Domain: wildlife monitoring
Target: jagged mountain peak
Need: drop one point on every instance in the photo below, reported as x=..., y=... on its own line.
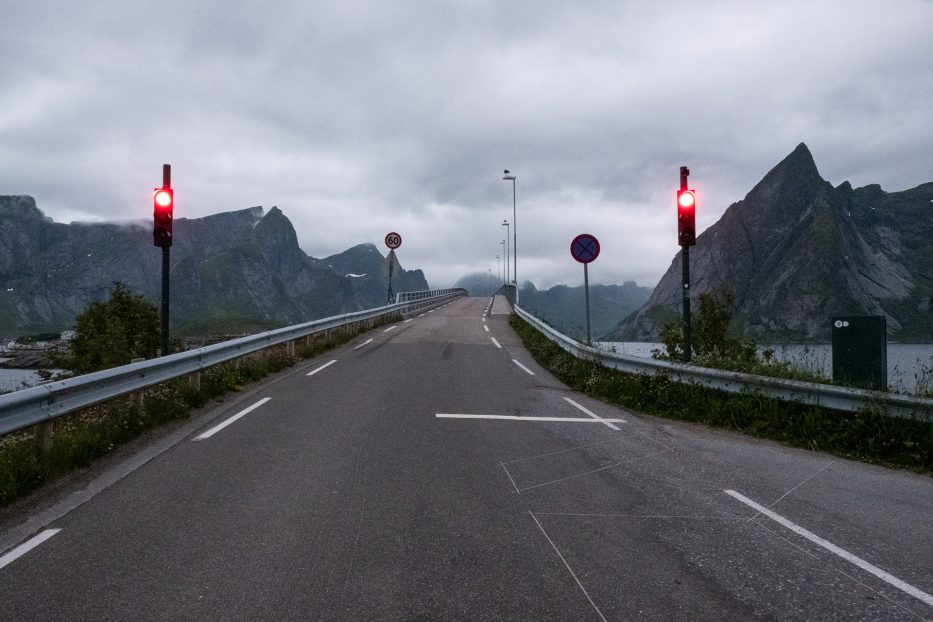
x=796, y=251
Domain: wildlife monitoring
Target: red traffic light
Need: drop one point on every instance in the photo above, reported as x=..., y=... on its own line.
x=162, y=198
x=686, y=217
x=686, y=199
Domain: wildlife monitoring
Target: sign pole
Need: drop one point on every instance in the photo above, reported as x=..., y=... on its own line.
x=393, y=240
x=586, y=290
x=585, y=248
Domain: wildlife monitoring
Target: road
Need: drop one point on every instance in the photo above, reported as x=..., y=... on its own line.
x=341, y=493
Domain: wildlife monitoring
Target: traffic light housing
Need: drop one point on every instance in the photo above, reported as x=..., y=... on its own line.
x=686, y=217
x=163, y=202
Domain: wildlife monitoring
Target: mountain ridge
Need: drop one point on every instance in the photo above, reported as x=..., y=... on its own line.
x=797, y=251
x=232, y=272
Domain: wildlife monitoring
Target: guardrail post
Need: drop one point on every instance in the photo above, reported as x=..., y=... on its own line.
x=44, y=432
x=194, y=380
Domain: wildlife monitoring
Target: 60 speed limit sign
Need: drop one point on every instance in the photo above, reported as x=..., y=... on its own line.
x=393, y=240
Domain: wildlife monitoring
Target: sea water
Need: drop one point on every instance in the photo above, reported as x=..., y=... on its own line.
x=910, y=365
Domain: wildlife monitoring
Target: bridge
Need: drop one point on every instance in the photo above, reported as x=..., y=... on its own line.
x=430, y=469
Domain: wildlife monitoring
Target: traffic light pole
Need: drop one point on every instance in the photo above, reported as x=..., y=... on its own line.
x=685, y=263
x=166, y=183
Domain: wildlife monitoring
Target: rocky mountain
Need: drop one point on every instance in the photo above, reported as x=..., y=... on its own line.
x=368, y=273
x=565, y=307
x=797, y=251
x=230, y=272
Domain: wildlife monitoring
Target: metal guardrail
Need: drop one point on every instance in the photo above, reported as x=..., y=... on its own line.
x=409, y=296
x=43, y=403
x=826, y=395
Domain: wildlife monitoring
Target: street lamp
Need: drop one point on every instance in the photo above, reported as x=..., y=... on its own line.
x=499, y=268
x=510, y=177
x=505, y=223
x=505, y=257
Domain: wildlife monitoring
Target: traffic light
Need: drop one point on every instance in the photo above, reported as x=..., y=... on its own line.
x=686, y=217
x=163, y=202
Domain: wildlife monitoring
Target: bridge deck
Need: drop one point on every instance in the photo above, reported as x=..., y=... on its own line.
x=344, y=496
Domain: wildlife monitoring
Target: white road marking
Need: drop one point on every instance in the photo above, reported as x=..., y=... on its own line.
x=519, y=418
x=220, y=426
x=367, y=342
x=322, y=367
x=498, y=345
x=408, y=320
x=527, y=371
x=514, y=485
x=431, y=311
x=390, y=328
x=27, y=546
x=590, y=413
x=422, y=315
x=566, y=565
x=484, y=318
x=832, y=548
x=486, y=327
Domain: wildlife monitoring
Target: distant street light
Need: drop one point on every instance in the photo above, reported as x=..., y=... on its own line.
x=510, y=177
x=499, y=268
x=504, y=257
x=505, y=223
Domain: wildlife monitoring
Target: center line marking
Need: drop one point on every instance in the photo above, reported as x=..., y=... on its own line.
x=390, y=328
x=27, y=546
x=322, y=367
x=486, y=327
x=590, y=413
x=531, y=373
x=498, y=345
x=220, y=426
x=368, y=341
x=832, y=548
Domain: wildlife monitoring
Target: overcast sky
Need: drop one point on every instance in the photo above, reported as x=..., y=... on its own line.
x=359, y=118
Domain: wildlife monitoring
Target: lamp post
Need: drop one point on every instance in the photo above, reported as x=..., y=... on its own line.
x=505, y=223
x=499, y=268
x=504, y=258
x=510, y=177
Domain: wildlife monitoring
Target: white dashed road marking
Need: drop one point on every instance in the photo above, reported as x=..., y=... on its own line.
x=27, y=546
x=322, y=367
x=220, y=426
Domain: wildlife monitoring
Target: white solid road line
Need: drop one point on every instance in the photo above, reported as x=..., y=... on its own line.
x=498, y=345
x=27, y=546
x=324, y=366
x=390, y=328
x=486, y=327
x=220, y=426
x=529, y=372
x=832, y=548
x=368, y=341
x=590, y=413
x=518, y=418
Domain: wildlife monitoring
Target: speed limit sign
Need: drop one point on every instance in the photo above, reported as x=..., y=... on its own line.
x=393, y=240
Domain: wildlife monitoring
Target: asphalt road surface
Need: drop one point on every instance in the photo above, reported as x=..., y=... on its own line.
x=352, y=487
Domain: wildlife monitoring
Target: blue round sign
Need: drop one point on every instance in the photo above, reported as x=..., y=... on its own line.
x=584, y=248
